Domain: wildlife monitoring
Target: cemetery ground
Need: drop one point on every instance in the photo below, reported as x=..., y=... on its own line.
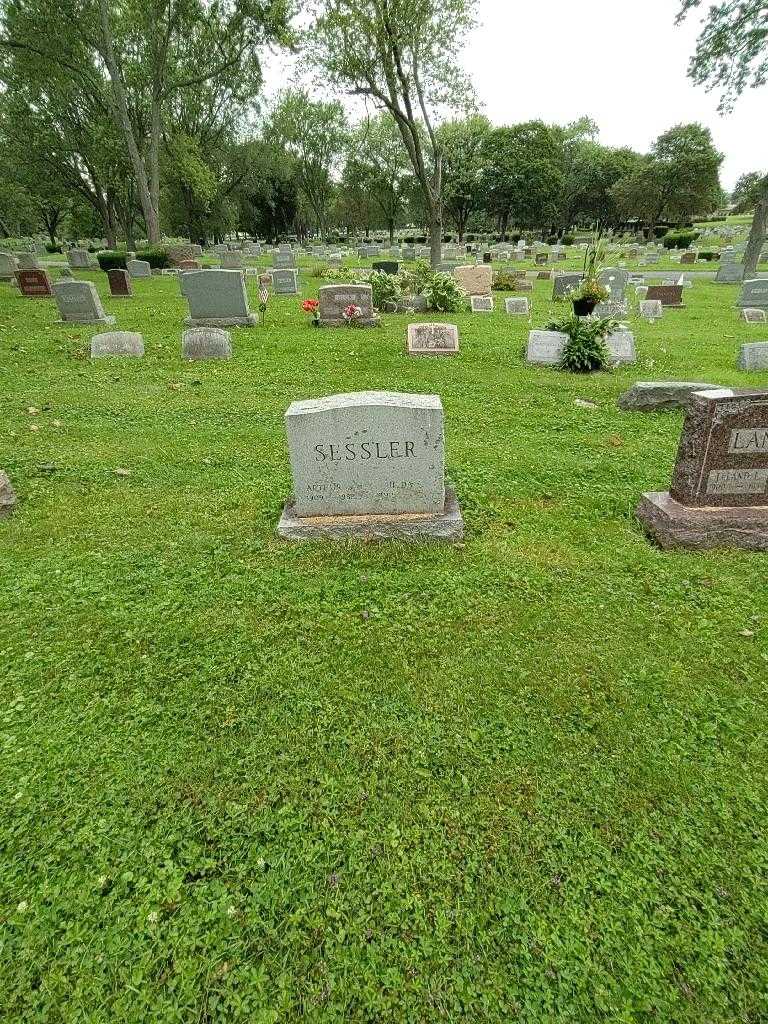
x=522, y=778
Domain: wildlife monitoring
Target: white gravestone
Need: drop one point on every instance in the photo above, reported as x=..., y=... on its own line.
x=433, y=340
x=206, y=343
x=545, y=347
x=481, y=303
x=369, y=464
x=755, y=316
x=117, y=343
x=651, y=309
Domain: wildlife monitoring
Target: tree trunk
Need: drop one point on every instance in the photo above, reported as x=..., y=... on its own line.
x=391, y=226
x=154, y=166
x=758, y=232
x=503, y=222
x=123, y=121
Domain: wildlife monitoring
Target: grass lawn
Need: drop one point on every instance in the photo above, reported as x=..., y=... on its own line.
x=522, y=779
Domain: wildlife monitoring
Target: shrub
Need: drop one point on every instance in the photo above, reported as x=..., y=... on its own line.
x=156, y=256
x=110, y=259
x=443, y=294
x=52, y=248
x=682, y=239
x=415, y=279
x=504, y=281
x=709, y=257
x=552, y=240
x=660, y=232
x=568, y=239
x=384, y=288
x=585, y=350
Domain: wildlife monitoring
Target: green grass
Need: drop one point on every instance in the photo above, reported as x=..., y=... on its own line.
x=522, y=779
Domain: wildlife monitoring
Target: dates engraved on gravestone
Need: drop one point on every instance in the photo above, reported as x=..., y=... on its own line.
x=481, y=303
x=336, y=298
x=367, y=453
x=34, y=284
x=432, y=339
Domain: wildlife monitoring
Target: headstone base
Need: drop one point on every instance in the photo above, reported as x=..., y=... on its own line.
x=447, y=526
x=673, y=525
x=77, y=320
x=374, y=321
x=229, y=321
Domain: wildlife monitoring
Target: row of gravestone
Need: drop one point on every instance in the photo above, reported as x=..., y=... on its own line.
x=372, y=465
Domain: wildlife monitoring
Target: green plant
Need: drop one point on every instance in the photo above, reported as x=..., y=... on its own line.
x=681, y=239
x=443, y=295
x=384, y=287
x=568, y=239
x=585, y=350
x=505, y=280
x=156, y=256
x=590, y=288
x=413, y=280
x=52, y=248
x=111, y=259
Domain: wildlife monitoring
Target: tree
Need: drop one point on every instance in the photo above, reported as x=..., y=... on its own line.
x=315, y=133
x=146, y=52
x=746, y=192
x=464, y=150
x=402, y=55
x=378, y=170
x=523, y=176
x=678, y=180
x=731, y=56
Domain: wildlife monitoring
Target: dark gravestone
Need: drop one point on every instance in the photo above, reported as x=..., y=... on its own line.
x=487, y=257
x=688, y=257
x=386, y=266
x=119, y=284
x=563, y=284
x=34, y=284
x=719, y=492
x=754, y=294
x=669, y=295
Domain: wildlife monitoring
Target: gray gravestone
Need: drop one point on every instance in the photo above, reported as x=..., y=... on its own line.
x=7, y=495
x=117, y=343
x=545, y=347
x=621, y=347
x=729, y=271
x=206, y=343
x=232, y=260
x=517, y=307
x=28, y=261
x=563, y=284
x=78, y=259
x=611, y=310
x=79, y=302
x=615, y=280
x=139, y=268
x=369, y=464
x=481, y=303
x=754, y=294
x=651, y=309
x=753, y=356
x=217, y=298
x=660, y=395
x=285, y=282
x=336, y=298
x=283, y=259
x=432, y=340
x=8, y=266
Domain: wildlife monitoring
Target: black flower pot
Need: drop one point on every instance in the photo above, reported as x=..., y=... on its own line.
x=583, y=307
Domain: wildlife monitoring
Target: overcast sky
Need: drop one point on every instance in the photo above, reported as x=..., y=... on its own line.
x=621, y=63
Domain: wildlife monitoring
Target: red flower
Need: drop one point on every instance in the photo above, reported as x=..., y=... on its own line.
x=310, y=305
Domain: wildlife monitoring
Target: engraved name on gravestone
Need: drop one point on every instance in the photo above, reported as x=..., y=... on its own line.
x=120, y=286
x=206, y=343
x=433, y=339
x=474, y=280
x=34, y=284
x=79, y=302
x=139, y=268
x=335, y=298
x=367, y=453
x=669, y=295
x=217, y=298
x=117, y=343
x=517, y=307
x=285, y=282
x=723, y=454
x=753, y=356
x=481, y=303
x=754, y=294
